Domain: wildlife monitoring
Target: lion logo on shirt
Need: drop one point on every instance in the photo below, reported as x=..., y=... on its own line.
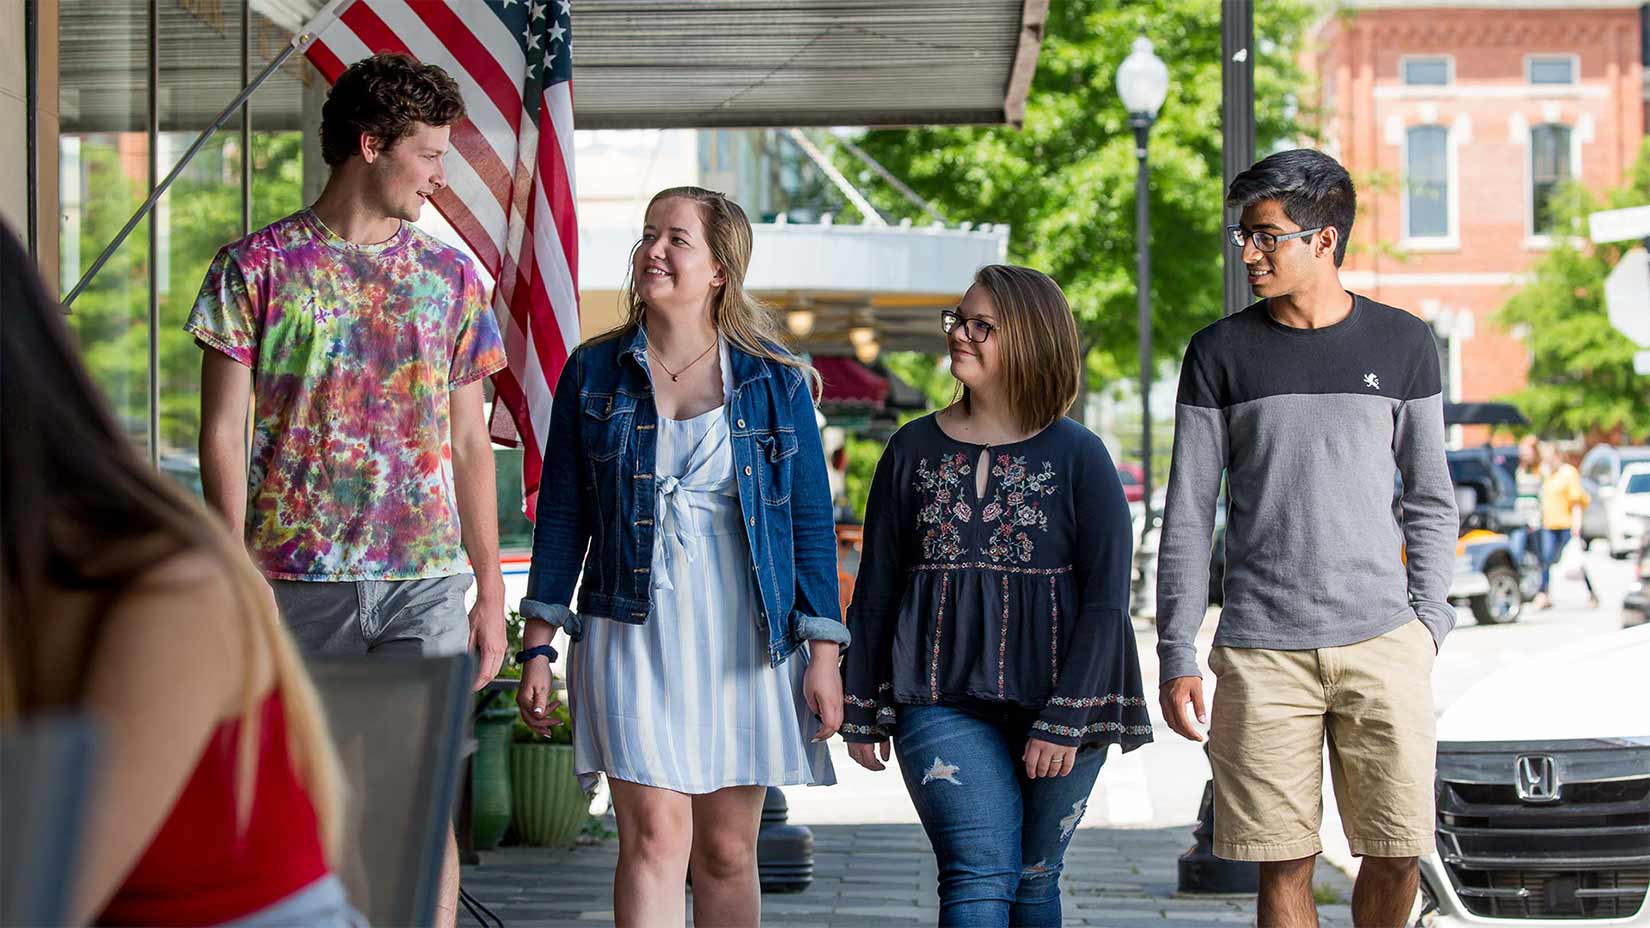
x=1372, y=381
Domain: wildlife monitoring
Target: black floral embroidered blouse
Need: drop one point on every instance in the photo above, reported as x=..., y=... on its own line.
x=1016, y=597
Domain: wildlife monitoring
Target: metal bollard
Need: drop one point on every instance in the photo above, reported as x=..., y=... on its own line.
x=784, y=852
x=1201, y=871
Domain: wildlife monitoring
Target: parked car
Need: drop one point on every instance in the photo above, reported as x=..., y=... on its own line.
x=1543, y=793
x=1134, y=481
x=1635, y=605
x=1601, y=475
x=1492, y=577
x=1630, y=510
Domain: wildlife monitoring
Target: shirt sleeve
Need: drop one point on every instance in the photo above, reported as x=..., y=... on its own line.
x=1429, y=520
x=225, y=316
x=867, y=668
x=1199, y=459
x=1097, y=693
x=565, y=518
x=479, y=349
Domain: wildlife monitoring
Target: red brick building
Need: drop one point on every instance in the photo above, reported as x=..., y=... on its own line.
x=1456, y=119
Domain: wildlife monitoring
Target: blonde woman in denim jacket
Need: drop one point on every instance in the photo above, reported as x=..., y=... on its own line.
x=683, y=473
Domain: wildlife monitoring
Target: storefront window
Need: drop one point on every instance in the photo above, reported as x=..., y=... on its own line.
x=106, y=85
x=103, y=176
x=200, y=54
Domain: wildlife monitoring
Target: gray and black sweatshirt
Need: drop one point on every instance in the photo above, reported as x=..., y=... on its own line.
x=1310, y=427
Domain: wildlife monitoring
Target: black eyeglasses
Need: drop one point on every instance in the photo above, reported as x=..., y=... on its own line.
x=975, y=330
x=1266, y=242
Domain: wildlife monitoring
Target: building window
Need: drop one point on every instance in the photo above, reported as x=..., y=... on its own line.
x=1426, y=72
x=1549, y=167
x=1550, y=69
x=1446, y=367
x=1427, y=182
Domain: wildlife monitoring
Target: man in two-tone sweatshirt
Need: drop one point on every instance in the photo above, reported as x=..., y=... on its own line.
x=1316, y=406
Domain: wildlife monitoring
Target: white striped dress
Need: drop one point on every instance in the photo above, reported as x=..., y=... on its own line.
x=686, y=700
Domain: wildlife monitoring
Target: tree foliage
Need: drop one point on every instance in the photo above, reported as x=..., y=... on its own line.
x=199, y=214
x=1581, y=379
x=1065, y=181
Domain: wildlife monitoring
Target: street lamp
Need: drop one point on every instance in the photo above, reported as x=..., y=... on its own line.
x=1143, y=82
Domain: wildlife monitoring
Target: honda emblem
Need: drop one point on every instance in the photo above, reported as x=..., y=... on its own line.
x=1537, y=778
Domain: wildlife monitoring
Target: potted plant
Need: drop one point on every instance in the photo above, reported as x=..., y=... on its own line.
x=490, y=799
x=549, y=807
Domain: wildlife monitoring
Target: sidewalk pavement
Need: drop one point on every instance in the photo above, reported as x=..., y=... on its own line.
x=872, y=860
x=885, y=874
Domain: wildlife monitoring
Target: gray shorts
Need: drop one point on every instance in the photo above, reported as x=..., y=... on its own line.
x=417, y=618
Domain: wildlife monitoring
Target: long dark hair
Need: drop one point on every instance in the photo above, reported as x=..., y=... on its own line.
x=81, y=511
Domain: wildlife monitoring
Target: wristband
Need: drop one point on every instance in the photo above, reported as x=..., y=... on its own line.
x=523, y=657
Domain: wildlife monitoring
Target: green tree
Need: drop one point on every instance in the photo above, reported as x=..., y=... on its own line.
x=202, y=209
x=1065, y=181
x=1581, y=378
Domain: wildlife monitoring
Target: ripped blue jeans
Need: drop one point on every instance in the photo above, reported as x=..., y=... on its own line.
x=1000, y=838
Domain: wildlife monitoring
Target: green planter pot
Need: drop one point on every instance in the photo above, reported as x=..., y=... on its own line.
x=490, y=777
x=550, y=809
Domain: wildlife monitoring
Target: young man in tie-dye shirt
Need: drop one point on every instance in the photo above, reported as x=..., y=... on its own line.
x=362, y=344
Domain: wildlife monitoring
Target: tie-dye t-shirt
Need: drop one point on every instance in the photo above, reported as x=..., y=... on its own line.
x=354, y=351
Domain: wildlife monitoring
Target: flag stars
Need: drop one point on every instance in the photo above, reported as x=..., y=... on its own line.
x=531, y=37
x=536, y=10
x=566, y=7
x=556, y=33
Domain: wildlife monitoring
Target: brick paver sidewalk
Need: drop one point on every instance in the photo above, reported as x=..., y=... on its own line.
x=884, y=875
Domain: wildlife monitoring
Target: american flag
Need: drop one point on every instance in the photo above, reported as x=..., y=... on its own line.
x=509, y=172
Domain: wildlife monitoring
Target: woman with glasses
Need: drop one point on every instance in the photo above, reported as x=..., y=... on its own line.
x=992, y=646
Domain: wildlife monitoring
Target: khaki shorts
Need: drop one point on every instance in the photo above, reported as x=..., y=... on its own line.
x=1273, y=711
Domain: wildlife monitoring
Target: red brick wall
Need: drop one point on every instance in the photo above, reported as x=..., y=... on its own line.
x=1365, y=110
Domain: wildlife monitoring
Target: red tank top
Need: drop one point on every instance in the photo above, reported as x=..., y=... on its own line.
x=202, y=869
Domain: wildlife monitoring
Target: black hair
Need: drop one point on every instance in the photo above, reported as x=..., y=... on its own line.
x=1312, y=187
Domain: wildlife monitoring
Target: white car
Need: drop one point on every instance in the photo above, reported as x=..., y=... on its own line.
x=1629, y=510
x=1543, y=793
x=1602, y=472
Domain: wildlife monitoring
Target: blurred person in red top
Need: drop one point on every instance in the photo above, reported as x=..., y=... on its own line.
x=216, y=799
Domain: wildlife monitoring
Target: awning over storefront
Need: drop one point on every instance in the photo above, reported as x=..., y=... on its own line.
x=636, y=63
x=850, y=383
x=836, y=285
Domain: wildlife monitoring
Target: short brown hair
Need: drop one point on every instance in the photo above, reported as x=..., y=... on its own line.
x=1039, y=343
x=383, y=96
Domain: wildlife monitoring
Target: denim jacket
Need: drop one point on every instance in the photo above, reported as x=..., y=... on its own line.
x=597, y=501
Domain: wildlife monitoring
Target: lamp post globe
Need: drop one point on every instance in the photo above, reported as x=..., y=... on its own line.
x=1143, y=80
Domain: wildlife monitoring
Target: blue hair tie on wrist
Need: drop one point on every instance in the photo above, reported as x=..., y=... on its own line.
x=523, y=657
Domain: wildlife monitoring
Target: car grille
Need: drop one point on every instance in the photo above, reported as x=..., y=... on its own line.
x=1585, y=854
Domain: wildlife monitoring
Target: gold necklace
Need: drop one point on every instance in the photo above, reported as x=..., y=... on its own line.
x=677, y=375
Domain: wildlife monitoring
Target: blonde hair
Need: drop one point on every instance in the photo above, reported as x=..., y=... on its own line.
x=1037, y=343
x=737, y=315
x=309, y=737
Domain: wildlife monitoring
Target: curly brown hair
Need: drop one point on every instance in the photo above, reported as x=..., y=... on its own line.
x=383, y=96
